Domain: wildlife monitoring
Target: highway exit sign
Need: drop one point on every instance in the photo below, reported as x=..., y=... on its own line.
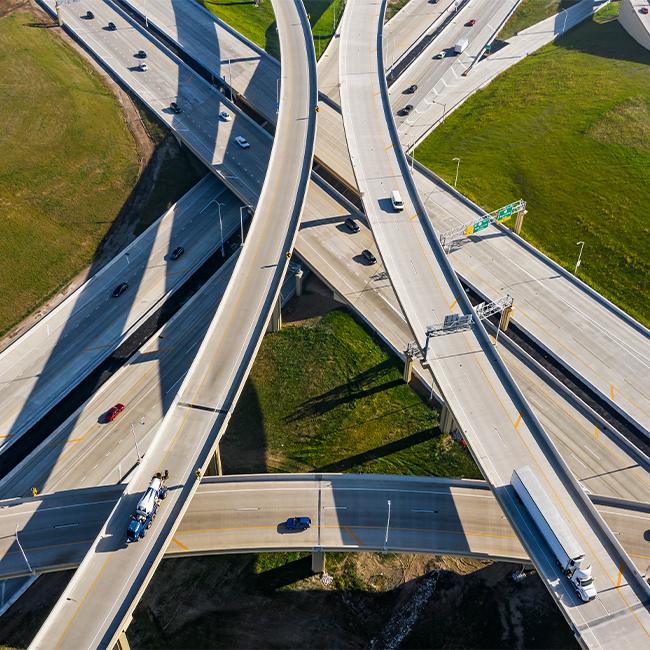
x=479, y=225
x=504, y=213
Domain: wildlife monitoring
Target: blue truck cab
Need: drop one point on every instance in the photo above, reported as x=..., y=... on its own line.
x=148, y=505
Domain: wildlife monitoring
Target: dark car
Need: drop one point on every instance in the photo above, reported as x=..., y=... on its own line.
x=369, y=256
x=471, y=23
x=411, y=89
x=644, y=10
x=114, y=412
x=176, y=108
x=177, y=252
x=120, y=289
x=90, y=15
x=112, y=26
x=352, y=225
x=407, y=109
x=300, y=523
x=142, y=54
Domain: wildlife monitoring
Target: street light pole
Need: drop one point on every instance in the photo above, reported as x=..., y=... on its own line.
x=277, y=96
x=413, y=156
x=566, y=15
x=23, y=552
x=387, y=525
x=582, y=245
x=230, y=75
x=457, y=166
x=137, y=451
x=223, y=252
x=241, y=221
x=146, y=20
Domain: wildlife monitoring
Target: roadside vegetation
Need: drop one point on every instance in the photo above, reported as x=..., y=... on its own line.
x=325, y=396
x=530, y=12
x=257, y=23
x=568, y=130
x=68, y=161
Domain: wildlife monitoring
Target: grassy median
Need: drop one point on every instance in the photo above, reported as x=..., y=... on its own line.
x=568, y=130
x=326, y=396
x=258, y=23
x=68, y=164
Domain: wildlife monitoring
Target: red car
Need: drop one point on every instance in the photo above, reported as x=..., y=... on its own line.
x=114, y=412
x=644, y=10
x=471, y=23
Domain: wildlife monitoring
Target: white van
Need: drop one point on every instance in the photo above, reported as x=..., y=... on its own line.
x=396, y=200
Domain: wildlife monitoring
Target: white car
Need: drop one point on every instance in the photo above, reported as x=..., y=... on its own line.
x=242, y=142
x=143, y=66
x=440, y=55
x=225, y=116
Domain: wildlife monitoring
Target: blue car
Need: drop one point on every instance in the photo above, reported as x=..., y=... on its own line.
x=299, y=523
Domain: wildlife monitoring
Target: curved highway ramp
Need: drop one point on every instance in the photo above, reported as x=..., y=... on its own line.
x=95, y=606
x=497, y=423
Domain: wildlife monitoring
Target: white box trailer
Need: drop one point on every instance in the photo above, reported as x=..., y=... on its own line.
x=461, y=45
x=568, y=553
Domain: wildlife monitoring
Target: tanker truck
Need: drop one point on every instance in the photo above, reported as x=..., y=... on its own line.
x=147, y=507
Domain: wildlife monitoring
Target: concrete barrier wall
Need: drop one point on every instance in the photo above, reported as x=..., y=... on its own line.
x=636, y=24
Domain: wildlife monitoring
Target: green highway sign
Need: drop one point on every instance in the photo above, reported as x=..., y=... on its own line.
x=504, y=213
x=479, y=225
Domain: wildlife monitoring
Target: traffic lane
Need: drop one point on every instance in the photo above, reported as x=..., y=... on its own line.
x=88, y=451
x=632, y=527
x=53, y=530
x=87, y=327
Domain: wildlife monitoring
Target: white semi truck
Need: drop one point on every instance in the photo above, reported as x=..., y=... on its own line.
x=568, y=553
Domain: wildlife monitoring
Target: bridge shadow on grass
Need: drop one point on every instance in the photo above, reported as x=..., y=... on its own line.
x=363, y=385
x=282, y=576
x=380, y=452
x=606, y=40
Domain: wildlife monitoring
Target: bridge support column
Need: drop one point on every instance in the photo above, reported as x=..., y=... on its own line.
x=317, y=560
x=214, y=466
x=299, y=283
x=447, y=422
x=505, y=319
x=58, y=16
x=520, y=221
x=275, y=324
x=122, y=642
x=408, y=367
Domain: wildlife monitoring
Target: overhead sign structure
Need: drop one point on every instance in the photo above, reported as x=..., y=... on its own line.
x=479, y=225
x=505, y=213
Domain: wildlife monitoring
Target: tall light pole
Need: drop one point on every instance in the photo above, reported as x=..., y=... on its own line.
x=230, y=75
x=582, y=245
x=146, y=20
x=457, y=166
x=387, y=525
x=23, y=552
x=223, y=251
x=241, y=221
x=137, y=451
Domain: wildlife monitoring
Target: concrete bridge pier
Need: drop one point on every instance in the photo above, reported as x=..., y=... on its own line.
x=408, y=366
x=122, y=642
x=299, y=283
x=447, y=421
x=520, y=221
x=317, y=560
x=214, y=466
x=505, y=319
x=275, y=324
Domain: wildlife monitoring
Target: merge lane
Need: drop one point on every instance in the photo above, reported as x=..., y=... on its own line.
x=496, y=421
x=114, y=572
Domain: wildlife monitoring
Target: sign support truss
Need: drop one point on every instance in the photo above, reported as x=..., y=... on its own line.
x=472, y=227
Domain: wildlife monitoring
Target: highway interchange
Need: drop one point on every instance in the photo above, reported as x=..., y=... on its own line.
x=324, y=248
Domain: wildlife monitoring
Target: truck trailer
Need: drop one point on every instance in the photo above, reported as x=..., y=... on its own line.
x=147, y=507
x=568, y=553
x=461, y=45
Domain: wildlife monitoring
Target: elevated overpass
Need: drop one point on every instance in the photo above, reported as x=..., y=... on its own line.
x=349, y=512
x=112, y=571
x=493, y=415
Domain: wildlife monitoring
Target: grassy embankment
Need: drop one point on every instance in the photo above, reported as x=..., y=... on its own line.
x=568, y=130
x=326, y=396
x=68, y=160
x=258, y=23
x=530, y=12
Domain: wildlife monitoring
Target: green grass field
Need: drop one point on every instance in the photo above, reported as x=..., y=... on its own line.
x=326, y=396
x=258, y=23
x=530, y=12
x=68, y=164
x=568, y=130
